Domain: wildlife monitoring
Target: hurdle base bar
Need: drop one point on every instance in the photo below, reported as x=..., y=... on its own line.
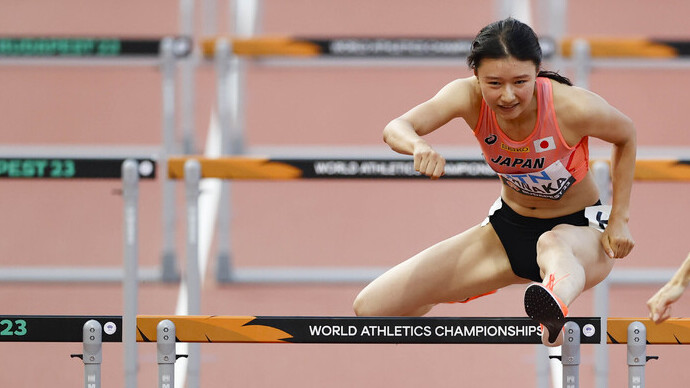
x=76, y=275
x=640, y=275
x=313, y=274
x=269, y=275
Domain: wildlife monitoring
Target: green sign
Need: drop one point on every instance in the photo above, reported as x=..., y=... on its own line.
x=12, y=327
x=68, y=168
x=88, y=47
x=34, y=328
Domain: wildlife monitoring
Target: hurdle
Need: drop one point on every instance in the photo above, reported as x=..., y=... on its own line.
x=285, y=168
x=130, y=171
x=165, y=331
x=301, y=52
x=587, y=53
x=89, y=50
x=252, y=168
x=354, y=50
x=290, y=168
x=230, y=54
x=653, y=165
x=305, y=51
x=162, y=53
x=39, y=167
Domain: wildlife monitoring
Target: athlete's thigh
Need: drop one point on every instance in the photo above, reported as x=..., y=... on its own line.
x=465, y=265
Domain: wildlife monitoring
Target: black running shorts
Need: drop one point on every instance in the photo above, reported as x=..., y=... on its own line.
x=519, y=235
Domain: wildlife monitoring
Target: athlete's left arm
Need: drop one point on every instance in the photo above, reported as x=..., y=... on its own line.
x=597, y=118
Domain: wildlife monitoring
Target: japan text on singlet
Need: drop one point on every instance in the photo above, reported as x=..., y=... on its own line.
x=541, y=165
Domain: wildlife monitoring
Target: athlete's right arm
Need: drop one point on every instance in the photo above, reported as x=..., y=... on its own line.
x=404, y=134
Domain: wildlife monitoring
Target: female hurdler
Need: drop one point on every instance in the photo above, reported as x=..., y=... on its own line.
x=547, y=226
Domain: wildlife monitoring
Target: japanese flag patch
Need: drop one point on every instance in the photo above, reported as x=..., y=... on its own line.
x=545, y=144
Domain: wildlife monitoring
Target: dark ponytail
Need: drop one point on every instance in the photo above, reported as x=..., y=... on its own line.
x=555, y=76
x=509, y=38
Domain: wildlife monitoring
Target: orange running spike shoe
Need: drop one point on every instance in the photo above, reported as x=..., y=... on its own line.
x=542, y=305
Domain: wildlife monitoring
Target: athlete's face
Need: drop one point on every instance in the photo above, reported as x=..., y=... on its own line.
x=507, y=85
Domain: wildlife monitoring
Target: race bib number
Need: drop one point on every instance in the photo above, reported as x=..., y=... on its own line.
x=550, y=183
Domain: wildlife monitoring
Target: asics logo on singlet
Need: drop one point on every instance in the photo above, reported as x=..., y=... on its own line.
x=490, y=139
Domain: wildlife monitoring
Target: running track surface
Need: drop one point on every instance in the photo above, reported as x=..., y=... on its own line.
x=302, y=223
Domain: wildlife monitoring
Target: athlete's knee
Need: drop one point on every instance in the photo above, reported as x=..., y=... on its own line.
x=554, y=252
x=552, y=239
x=359, y=306
x=364, y=306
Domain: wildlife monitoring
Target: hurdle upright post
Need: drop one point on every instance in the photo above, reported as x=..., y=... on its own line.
x=637, y=354
x=187, y=79
x=232, y=142
x=130, y=283
x=192, y=175
x=570, y=356
x=165, y=340
x=602, y=177
x=582, y=62
x=93, y=353
x=168, y=91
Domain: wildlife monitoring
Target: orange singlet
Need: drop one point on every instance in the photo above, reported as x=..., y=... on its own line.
x=543, y=164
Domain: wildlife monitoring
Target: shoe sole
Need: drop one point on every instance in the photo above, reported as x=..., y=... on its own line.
x=542, y=306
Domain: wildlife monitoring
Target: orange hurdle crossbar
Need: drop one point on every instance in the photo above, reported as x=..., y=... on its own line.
x=629, y=47
x=674, y=331
x=659, y=169
x=310, y=168
x=245, y=167
x=430, y=47
x=358, y=47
